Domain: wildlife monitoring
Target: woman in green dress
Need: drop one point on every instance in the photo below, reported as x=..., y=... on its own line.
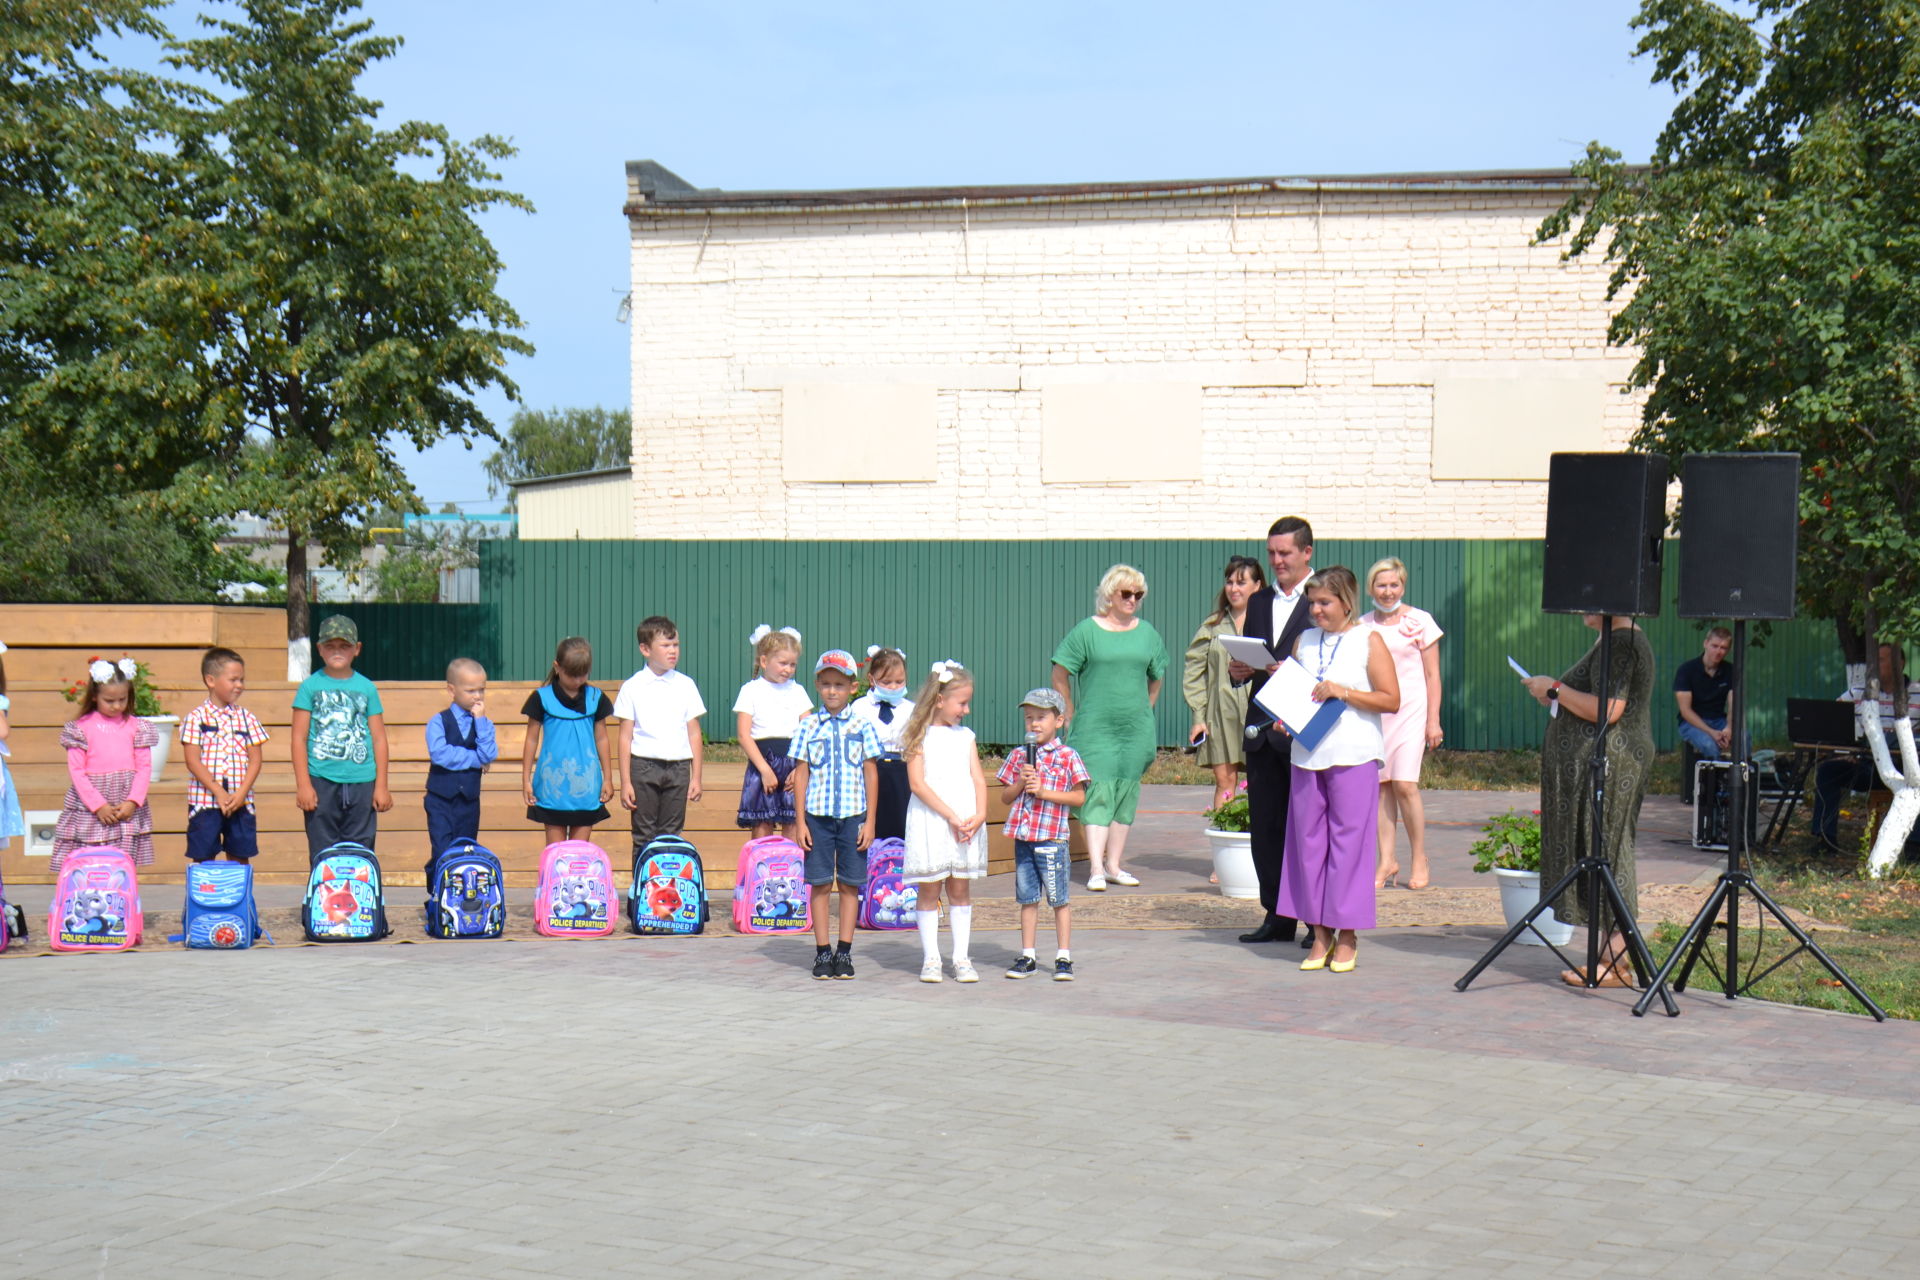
x=1566, y=827
x=1119, y=661
x=1219, y=709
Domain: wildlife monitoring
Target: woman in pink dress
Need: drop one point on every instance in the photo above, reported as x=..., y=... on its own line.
x=1413, y=638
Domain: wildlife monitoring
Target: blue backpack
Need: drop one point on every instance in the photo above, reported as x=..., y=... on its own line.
x=467, y=895
x=344, y=902
x=669, y=888
x=566, y=773
x=220, y=913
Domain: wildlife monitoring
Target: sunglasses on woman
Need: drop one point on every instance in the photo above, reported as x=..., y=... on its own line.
x=1131, y=595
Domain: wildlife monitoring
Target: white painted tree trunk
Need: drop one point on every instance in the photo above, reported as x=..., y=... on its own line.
x=1903, y=781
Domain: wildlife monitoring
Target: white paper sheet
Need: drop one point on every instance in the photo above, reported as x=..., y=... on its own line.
x=1248, y=649
x=1288, y=697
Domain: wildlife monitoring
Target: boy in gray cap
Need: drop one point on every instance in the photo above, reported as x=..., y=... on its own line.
x=1042, y=782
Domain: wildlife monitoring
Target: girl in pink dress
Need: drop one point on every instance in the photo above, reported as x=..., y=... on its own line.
x=109, y=757
x=1413, y=639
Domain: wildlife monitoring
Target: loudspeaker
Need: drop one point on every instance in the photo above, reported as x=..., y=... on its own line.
x=1739, y=535
x=1606, y=529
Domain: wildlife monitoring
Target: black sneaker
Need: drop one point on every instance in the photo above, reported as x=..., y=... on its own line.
x=823, y=966
x=1024, y=967
x=1063, y=971
x=843, y=964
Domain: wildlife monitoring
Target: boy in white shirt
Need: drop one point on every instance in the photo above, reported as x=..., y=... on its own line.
x=659, y=710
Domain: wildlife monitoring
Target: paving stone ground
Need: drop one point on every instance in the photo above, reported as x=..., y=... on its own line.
x=1190, y=1107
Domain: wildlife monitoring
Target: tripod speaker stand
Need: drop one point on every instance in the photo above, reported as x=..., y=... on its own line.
x=1606, y=521
x=1737, y=558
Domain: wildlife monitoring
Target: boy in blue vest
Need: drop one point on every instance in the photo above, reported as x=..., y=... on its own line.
x=460, y=747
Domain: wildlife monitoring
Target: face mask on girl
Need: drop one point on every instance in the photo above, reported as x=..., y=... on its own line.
x=888, y=695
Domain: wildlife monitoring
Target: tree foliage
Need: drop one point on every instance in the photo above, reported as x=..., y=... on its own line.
x=275, y=293
x=558, y=442
x=1768, y=258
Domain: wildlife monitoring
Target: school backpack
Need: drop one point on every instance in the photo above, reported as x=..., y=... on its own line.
x=887, y=901
x=566, y=773
x=220, y=914
x=96, y=902
x=13, y=921
x=344, y=902
x=669, y=888
x=770, y=887
x=467, y=895
x=575, y=897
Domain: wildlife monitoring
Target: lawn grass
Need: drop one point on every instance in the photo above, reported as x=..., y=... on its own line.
x=1880, y=950
x=1515, y=770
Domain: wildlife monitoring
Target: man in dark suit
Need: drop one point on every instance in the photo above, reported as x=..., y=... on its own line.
x=1276, y=615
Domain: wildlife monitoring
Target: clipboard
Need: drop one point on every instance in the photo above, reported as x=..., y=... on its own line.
x=1288, y=698
x=1251, y=650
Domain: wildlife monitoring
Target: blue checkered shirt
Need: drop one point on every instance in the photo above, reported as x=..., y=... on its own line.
x=836, y=749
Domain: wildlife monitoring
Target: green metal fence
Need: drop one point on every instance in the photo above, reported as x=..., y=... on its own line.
x=1000, y=607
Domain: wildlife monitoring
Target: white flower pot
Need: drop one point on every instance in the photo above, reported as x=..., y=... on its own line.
x=164, y=726
x=1233, y=863
x=1519, y=890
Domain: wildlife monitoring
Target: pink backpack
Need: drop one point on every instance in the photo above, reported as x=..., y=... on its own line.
x=575, y=897
x=887, y=901
x=770, y=887
x=96, y=902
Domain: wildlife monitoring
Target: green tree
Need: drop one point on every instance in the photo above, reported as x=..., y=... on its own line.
x=299, y=290
x=1767, y=257
x=558, y=442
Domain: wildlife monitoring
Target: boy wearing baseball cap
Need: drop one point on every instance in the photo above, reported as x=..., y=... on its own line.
x=834, y=774
x=1042, y=782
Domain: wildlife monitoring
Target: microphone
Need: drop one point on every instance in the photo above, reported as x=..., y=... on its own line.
x=1253, y=730
x=1033, y=747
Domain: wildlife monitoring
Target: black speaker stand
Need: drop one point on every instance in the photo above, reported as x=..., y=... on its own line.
x=1593, y=874
x=1737, y=879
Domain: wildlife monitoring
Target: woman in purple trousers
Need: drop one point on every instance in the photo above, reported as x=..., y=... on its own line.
x=1333, y=812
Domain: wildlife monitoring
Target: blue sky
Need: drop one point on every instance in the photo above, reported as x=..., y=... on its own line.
x=757, y=95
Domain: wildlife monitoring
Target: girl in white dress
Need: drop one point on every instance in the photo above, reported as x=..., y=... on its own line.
x=946, y=816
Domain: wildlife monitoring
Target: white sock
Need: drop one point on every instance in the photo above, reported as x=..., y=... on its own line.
x=1063, y=954
x=929, y=922
x=961, y=919
x=1027, y=952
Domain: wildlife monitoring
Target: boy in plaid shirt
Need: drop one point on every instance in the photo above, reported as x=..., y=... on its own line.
x=834, y=779
x=1042, y=781
x=221, y=740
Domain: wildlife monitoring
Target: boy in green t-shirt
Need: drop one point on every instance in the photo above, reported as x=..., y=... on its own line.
x=339, y=745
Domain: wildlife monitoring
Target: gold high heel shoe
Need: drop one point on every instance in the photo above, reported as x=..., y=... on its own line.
x=1343, y=966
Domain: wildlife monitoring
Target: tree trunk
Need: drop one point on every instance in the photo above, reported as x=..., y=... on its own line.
x=299, y=609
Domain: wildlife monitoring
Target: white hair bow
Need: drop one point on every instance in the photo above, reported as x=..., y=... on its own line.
x=762, y=631
x=944, y=669
x=102, y=671
x=875, y=648
x=3, y=646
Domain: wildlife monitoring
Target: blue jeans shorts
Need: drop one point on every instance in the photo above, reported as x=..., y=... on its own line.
x=209, y=829
x=836, y=854
x=1043, y=865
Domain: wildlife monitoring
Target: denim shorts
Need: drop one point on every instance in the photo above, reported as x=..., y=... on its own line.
x=1036, y=865
x=209, y=829
x=836, y=854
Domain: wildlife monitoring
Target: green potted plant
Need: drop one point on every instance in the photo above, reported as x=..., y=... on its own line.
x=1232, y=841
x=1509, y=846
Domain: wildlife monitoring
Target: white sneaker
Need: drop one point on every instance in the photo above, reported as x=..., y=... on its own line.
x=1097, y=883
x=1126, y=878
x=930, y=972
x=963, y=971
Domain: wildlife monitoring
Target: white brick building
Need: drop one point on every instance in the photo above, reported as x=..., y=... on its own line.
x=1390, y=355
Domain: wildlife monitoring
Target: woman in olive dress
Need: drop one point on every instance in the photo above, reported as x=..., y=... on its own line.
x=1118, y=661
x=1566, y=828
x=1218, y=708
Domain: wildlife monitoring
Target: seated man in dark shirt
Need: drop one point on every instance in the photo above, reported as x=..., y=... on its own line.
x=1703, y=690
